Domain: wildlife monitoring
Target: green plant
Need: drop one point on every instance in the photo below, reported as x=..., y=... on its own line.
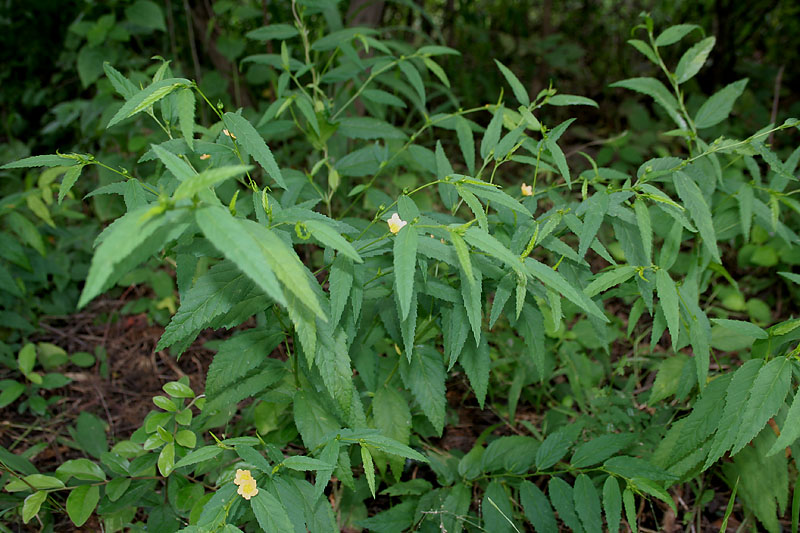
x=372, y=296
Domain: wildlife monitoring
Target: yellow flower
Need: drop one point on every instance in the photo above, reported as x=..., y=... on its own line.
x=396, y=223
x=242, y=476
x=246, y=483
x=247, y=489
x=527, y=190
x=205, y=156
x=229, y=134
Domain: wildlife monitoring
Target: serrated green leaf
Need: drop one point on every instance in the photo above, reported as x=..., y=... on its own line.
x=199, y=455
x=331, y=238
x=587, y=504
x=693, y=60
x=476, y=362
x=496, y=507
x=554, y=447
x=562, y=498
x=492, y=194
x=185, y=103
x=426, y=376
x=610, y=278
x=599, y=449
x=254, y=143
x=673, y=34
x=369, y=469
x=368, y=128
x=644, y=49
x=121, y=84
x=699, y=210
x=382, y=97
x=70, y=177
x=405, y=260
x=719, y=105
x=651, y=488
x=270, y=512
x=277, y=32
x=630, y=509
x=437, y=71
x=462, y=252
x=251, y=246
x=474, y=205
x=473, y=304
x=177, y=166
x=253, y=458
x=128, y=241
x=466, y=143
x=670, y=304
x=764, y=400
x=537, y=508
x=612, y=504
x=645, y=227
x=213, y=295
x=516, y=86
x=147, y=97
x=333, y=361
x=790, y=430
x=492, y=134
x=570, y=99
x=741, y=327
x=487, y=243
x=336, y=38
x=412, y=75
x=81, y=503
x=341, y=282
x=560, y=160
x=41, y=161
x=208, y=178
x=558, y=283
x=656, y=90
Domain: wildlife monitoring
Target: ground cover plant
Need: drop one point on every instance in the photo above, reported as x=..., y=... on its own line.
x=389, y=262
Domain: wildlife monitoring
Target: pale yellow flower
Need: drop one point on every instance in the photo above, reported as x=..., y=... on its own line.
x=527, y=190
x=242, y=476
x=396, y=223
x=247, y=489
x=205, y=156
x=229, y=134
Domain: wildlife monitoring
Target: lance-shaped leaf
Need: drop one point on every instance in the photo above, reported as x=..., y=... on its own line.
x=557, y=282
x=466, y=143
x=765, y=399
x=252, y=141
x=719, y=105
x=41, y=161
x=331, y=238
x=487, y=243
x=668, y=298
x=426, y=376
x=147, y=97
x=516, y=86
x=405, y=259
x=208, y=178
x=128, y=241
x=270, y=512
x=699, y=210
x=492, y=134
x=655, y=89
x=693, y=59
x=260, y=254
x=185, y=103
x=412, y=74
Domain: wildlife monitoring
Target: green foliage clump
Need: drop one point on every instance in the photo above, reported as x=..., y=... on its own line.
x=393, y=260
